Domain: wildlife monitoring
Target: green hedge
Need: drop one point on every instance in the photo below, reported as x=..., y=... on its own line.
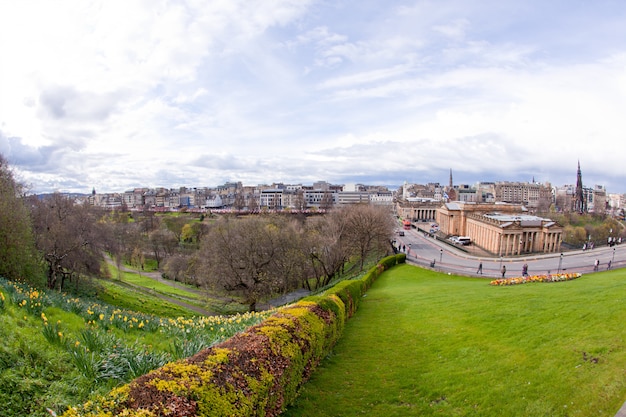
x=255, y=373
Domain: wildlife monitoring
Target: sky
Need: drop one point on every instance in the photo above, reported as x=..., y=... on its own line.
x=115, y=94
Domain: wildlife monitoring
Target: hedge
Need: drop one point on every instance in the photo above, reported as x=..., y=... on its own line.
x=255, y=373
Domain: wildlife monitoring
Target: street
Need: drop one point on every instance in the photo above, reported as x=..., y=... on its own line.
x=424, y=250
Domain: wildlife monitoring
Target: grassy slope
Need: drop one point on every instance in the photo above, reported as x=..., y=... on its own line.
x=425, y=344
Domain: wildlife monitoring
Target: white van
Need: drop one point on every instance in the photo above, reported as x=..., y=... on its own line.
x=464, y=240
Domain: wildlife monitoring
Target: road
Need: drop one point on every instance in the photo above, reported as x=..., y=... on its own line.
x=423, y=250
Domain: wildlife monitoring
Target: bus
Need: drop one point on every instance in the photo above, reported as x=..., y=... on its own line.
x=406, y=224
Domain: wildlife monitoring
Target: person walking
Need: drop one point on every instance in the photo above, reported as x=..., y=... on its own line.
x=596, y=265
x=503, y=270
x=525, y=270
x=480, y=269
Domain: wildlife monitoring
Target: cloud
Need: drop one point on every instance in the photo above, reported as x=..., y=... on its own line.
x=115, y=95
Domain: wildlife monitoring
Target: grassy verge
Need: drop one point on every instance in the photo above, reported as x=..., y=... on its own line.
x=129, y=298
x=427, y=344
x=57, y=351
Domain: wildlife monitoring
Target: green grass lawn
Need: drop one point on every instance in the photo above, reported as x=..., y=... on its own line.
x=428, y=344
x=140, y=280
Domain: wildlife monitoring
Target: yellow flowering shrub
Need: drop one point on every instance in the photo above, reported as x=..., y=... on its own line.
x=254, y=373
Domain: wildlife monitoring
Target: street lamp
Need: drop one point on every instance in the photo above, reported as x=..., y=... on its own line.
x=560, y=263
x=612, y=259
x=440, y=255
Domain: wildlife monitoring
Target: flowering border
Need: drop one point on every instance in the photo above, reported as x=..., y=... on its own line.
x=536, y=278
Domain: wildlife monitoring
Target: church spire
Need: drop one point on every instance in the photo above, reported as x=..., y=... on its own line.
x=580, y=205
x=450, y=194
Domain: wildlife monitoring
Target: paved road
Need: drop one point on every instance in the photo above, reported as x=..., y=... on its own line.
x=423, y=250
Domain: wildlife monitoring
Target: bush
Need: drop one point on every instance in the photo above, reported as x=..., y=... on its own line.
x=254, y=373
x=350, y=293
x=257, y=372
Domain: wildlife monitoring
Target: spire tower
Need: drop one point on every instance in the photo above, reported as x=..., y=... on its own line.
x=579, y=203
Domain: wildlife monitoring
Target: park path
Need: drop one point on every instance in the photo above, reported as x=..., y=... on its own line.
x=156, y=276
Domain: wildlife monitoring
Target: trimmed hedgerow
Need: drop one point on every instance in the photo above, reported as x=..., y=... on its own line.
x=254, y=373
x=350, y=292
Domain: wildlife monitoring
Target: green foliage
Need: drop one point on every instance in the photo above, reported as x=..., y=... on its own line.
x=255, y=373
x=401, y=258
x=579, y=228
x=350, y=293
x=388, y=261
x=18, y=257
x=67, y=349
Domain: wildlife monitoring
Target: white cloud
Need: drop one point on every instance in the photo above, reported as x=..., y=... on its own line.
x=112, y=93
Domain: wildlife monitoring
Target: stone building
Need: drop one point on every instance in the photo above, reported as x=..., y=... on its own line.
x=422, y=210
x=501, y=229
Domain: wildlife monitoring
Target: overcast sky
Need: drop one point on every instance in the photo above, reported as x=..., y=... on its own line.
x=119, y=94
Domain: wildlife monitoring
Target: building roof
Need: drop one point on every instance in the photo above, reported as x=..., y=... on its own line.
x=523, y=219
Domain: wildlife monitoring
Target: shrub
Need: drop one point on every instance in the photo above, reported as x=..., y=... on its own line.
x=350, y=292
x=257, y=372
x=254, y=373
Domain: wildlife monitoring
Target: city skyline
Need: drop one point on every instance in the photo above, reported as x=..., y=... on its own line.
x=115, y=95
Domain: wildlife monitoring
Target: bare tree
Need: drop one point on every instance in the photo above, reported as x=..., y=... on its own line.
x=252, y=257
x=68, y=239
x=161, y=243
x=369, y=230
x=253, y=203
x=180, y=267
x=326, y=247
x=328, y=201
x=300, y=202
x=240, y=201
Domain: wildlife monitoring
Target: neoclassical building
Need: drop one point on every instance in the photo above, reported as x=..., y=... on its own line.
x=502, y=229
x=416, y=209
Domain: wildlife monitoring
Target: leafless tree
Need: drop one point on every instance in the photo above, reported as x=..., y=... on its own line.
x=253, y=203
x=253, y=257
x=326, y=247
x=67, y=236
x=327, y=202
x=300, y=202
x=239, y=202
x=369, y=230
x=161, y=243
x=180, y=267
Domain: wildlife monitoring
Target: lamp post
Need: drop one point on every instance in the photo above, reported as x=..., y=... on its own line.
x=560, y=263
x=613, y=258
x=440, y=255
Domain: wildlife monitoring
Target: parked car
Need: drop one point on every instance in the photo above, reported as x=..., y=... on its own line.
x=464, y=240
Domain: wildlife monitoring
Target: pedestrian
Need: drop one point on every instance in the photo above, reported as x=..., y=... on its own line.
x=503, y=270
x=609, y=266
x=525, y=270
x=480, y=269
x=596, y=265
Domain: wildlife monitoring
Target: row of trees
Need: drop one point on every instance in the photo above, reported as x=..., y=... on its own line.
x=579, y=229
x=54, y=241
x=258, y=256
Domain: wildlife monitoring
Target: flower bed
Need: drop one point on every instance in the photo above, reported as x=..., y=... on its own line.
x=537, y=278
